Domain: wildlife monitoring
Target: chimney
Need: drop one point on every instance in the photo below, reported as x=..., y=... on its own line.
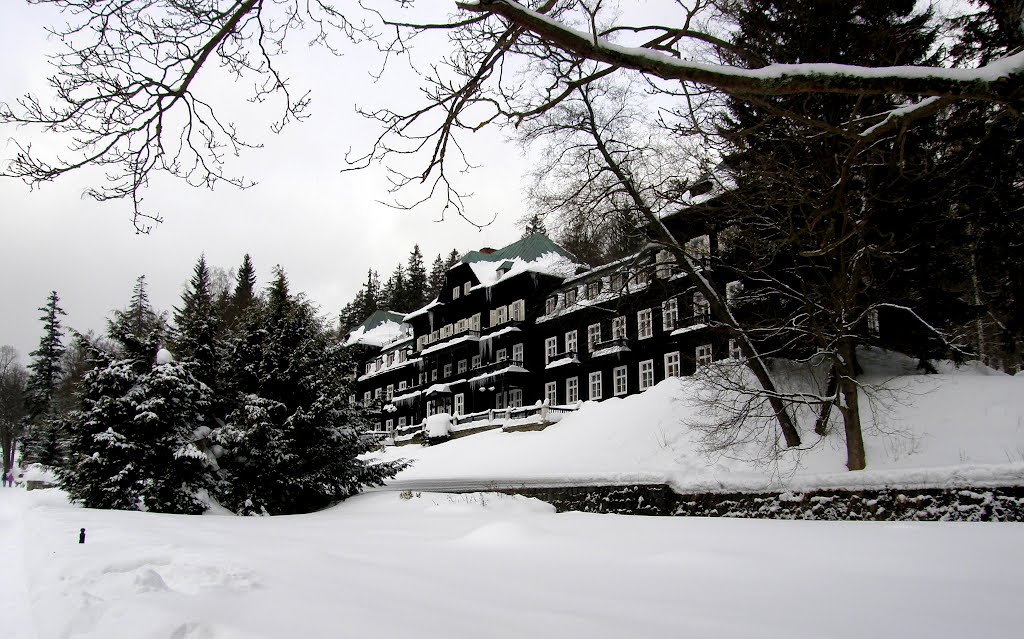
x=486, y=250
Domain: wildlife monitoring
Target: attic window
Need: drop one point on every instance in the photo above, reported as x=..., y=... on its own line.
x=550, y=304
x=455, y=293
x=505, y=267
x=466, y=287
x=570, y=297
x=593, y=289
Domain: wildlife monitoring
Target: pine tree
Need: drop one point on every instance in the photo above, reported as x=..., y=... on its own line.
x=436, y=280
x=533, y=224
x=46, y=360
x=197, y=327
x=292, y=441
x=244, y=294
x=453, y=259
x=416, y=280
x=393, y=295
x=41, y=442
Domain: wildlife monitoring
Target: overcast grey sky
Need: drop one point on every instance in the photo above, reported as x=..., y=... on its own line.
x=323, y=226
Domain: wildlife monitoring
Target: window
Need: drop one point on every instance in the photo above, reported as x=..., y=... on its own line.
x=447, y=370
x=376, y=393
x=391, y=359
x=698, y=249
x=366, y=397
x=572, y=390
x=402, y=386
x=517, y=310
x=369, y=367
x=455, y=293
x=515, y=398
x=670, y=314
x=873, y=322
x=501, y=355
x=460, y=326
x=550, y=349
x=595, y=385
x=390, y=392
x=502, y=314
x=570, y=297
x=401, y=422
x=550, y=304
x=644, y=324
x=475, y=361
x=466, y=287
x=570, y=342
x=703, y=354
x=389, y=425
x=593, y=336
x=593, y=289
x=460, y=403
x=499, y=400
x=618, y=282
x=672, y=365
x=462, y=366
x=423, y=377
x=517, y=353
x=646, y=374
x=619, y=327
x=433, y=375
x=735, y=352
x=664, y=263
x=474, y=322
x=640, y=278
x=551, y=393
x=619, y=380
x=701, y=309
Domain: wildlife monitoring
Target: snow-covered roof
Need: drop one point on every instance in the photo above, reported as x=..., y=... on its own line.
x=688, y=329
x=534, y=253
x=423, y=310
x=562, y=362
x=380, y=328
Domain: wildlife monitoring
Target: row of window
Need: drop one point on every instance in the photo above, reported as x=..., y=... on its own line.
x=516, y=312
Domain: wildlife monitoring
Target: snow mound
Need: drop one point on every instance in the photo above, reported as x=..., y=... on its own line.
x=163, y=356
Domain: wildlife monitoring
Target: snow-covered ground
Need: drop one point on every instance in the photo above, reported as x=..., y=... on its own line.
x=488, y=565
x=962, y=426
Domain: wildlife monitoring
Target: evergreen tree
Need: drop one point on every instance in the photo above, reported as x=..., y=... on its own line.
x=533, y=224
x=244, y=294
x=46, y=359
x=197, y=326
x=416, y=280
x=41, y=441
x=138, y=331
x=393, y=295
x=292, y=442
x=436, y=280
x=453, y=259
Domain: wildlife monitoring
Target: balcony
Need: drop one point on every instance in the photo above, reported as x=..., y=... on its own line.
x=451, y=340
x=609, y=347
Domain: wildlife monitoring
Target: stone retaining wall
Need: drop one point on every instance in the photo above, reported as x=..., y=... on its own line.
x=888, y=504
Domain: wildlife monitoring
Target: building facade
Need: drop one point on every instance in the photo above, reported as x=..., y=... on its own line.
x=524, y=332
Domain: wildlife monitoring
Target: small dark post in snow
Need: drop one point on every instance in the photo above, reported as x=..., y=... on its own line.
x=81, y=536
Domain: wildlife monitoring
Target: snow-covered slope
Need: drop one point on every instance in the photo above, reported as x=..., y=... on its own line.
x=962, y=426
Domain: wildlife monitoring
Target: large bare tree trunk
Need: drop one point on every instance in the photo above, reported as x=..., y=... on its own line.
x=849, y=405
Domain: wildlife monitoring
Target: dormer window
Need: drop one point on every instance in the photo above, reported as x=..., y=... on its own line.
x=570, y=297
x=593, y=289
x=550, y=304
x=505, y=267
x=455, y=293
x=466, y=287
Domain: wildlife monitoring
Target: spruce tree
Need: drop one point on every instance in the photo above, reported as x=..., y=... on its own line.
x=533, y=224
x=41, y=442
x=292, y=442
x=416, y=280
x=197, y=326
x=436, y=280
x=244, y=294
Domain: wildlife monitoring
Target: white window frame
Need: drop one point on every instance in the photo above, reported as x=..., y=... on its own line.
x=673, y=365
x=433, y=375
x=872, y=320
x=401, y=422
x=501, y=355
x=475, y=361
x=466, y=287
x=703, y=354
x=390, y=392
x=593, y=336
x=367, y=396
x=735, y=352
x=620, y=380
x=499, y=401
x=570, y=342
x=502, y=314
x=402, y=385
x=619, y=327
x=447, y=370
x=460, y=403
x=515, y=398
x=389, y=426
x=644, y=324
x=517, y=311
x=570, y=297
x=456, y=292
x=595, y=385
x=646, y=371
x=550, y=348
x=670, y=314
x=550, y=304
x=551, y=393
x=462, y=366
x=572, y=390
x=518, y=353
